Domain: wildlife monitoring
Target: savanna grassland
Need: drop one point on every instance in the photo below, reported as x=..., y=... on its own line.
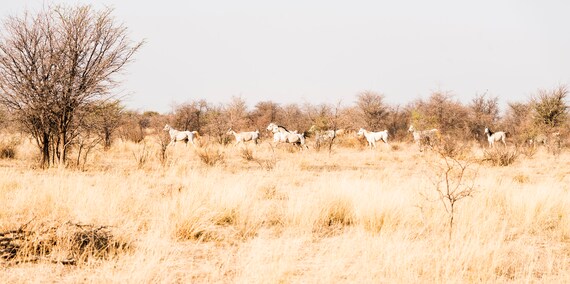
x=274, y=215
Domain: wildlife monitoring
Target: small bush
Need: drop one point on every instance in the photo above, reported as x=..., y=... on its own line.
x=7, y=152
x=210, y=157
x=501, y=156
x=247, y=154
x=8, y=148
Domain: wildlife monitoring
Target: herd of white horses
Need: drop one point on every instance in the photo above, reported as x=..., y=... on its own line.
x=283, y=135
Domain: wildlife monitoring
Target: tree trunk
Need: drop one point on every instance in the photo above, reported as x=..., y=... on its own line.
x=45, y=150
x=107, y=138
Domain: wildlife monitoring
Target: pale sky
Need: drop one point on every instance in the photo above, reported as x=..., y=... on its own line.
x=325, y=51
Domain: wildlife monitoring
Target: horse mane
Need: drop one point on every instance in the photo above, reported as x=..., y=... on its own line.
x=279, y=126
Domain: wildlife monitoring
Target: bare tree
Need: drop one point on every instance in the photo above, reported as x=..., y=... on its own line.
x=132, y=126
x=161, y=137
x=54, y=64
x=264, y=113
x=440, y=111
x=518, y=121
x=319, y=115
x=483, y=112
x=373, y=109
x=351, y=118
x=108, y=119
x=549, y=107
x=324, y=117
x=294, y=118
x=90, y=123
x=397, y=122
x=3, y=117
x=453, y=180
x=237, y=114
x=190, y=116
x=217, y=123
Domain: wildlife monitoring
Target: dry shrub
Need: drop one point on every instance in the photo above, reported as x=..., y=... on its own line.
x=197, y=226
x=210, y=157
x=141, y=155
x=351, y=141
x=8, y=148
x=226, y=216
x=247, y=154
x=556, y=144
x=266, y=164
x=521, y=178
x=452, y=147
x=500, y=156
x=395, y=147
x=66, y=243
x=7, y=152
x=133, y=134
x=336, y=214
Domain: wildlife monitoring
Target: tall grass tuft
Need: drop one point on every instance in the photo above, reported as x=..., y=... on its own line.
x=501, y=156
x=210, y=157
x=247, y=154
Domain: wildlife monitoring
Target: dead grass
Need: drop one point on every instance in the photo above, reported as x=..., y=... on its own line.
x=66, y=243
x=210, y=156
x=351, y=216
x=501, y=156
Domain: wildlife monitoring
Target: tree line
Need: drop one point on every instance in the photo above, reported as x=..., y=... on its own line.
x=544, y=113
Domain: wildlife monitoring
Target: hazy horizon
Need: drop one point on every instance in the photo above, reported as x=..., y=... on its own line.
x=325, y=51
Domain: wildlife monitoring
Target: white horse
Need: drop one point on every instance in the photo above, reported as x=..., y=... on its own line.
x=493, y=137
x=242, y=137
x=176, y=135
x=372, y=137
x=282, y=135
x=424, y=136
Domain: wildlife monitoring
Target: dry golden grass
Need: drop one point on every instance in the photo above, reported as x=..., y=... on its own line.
x=359, y=216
